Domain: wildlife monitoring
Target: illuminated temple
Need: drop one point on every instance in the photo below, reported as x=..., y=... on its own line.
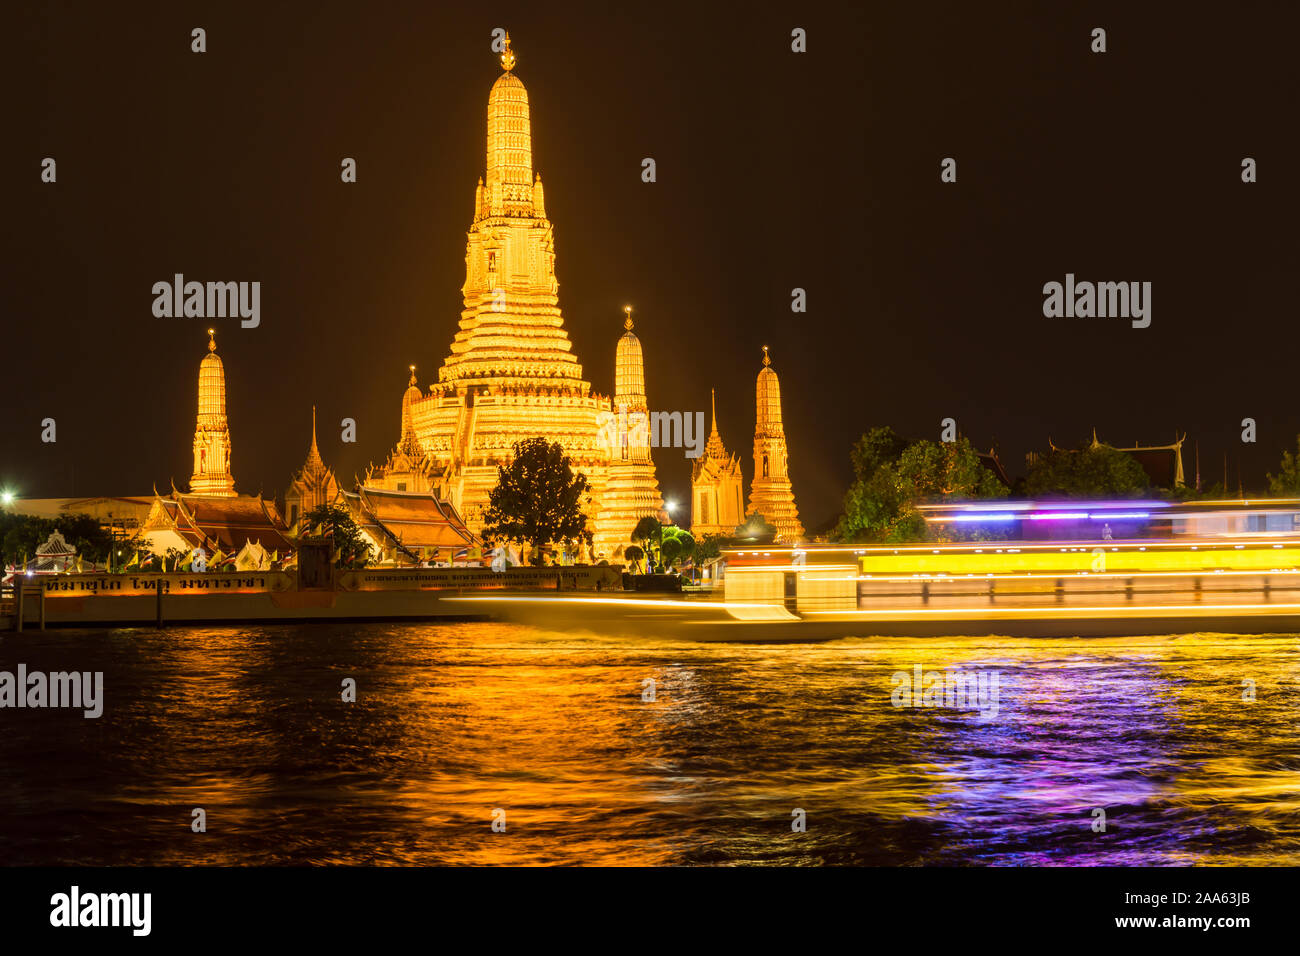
x=212, y=516
x=313, y=486
x=211, y=430
x=771, y=494
x=717, y=487
x=631, y=489
x=512, y=374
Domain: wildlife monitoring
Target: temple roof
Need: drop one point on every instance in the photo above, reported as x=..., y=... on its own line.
x=55, y=546
x=314, y=472
x=408, y=520
x=225, y=522
x=715, y=458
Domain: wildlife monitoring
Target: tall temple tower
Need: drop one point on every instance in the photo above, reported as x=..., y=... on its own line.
x=313, y=486
x=212, y=476
x=632, y=490
x=717, y=487
x=511, y=373
x=771, y=494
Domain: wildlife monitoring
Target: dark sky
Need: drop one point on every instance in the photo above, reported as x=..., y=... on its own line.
x=775, y=170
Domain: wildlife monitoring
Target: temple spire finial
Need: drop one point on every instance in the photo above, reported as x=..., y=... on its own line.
x=627, y=323
x=412, y=382
x=313, y=431
x=713, y=402
x=212, y=340
x=507, y=55
x=766, y=360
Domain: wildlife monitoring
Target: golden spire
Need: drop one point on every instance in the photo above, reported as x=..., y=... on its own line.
x=314, y=463
x=412, y=382
x=766, y=360
x=507, y=55
x=713, y=401
x=627, y=323
x=211, y=431
x=509, y=146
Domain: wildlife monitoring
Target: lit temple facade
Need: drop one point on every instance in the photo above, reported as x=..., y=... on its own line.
x=212, y=475
x=212, y=516
x=313, y=486
x=771, y=494
x=717, y=487
x=409, y=467
x=512, y=374
x=631, y=489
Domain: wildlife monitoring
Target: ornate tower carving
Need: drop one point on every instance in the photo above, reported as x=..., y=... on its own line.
x=408, y=468
x=771, y=494
x=313, y=486
x=211, y=432
x=717, y=486
x=632, y=491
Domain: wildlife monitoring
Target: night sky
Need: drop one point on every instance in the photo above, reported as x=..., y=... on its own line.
x=775, y=170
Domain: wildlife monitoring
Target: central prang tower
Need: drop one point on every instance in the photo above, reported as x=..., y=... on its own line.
x=511, y=373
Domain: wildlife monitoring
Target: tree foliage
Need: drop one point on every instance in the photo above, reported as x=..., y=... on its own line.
x=1287, y=481
x=893, y=476
x=1096, y=471
x=334, y=523
x=538, y=499
x=708, y=548
x=21, y=534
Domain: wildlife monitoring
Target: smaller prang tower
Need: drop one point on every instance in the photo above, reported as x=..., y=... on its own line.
x=771, y=494
x=212, y=476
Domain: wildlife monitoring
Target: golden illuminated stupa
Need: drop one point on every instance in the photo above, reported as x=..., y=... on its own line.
x=717, y=487
x=771, y=494
x=313, y=486
x=631, y=490
x=211, y=432
x=511, y=373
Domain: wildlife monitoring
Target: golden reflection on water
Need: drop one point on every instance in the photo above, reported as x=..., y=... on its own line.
x=455, y=722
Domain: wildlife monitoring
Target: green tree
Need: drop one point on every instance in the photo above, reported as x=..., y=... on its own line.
x=538, y=499
x=334, y=523
x=1286, y=483
x=708, y=548
x=1097, y=471
x=880, y=446
x=21, y=534
x=678, y=545
x=635, y=555
x=880, y=505
x=649, y=533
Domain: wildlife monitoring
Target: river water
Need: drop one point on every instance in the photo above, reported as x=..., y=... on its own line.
x=456, y=726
